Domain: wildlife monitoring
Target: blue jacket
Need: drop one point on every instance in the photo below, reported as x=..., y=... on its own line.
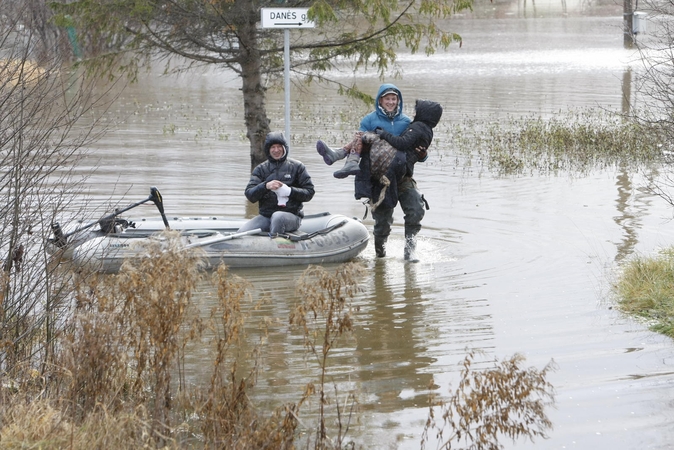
x=291, y=172
x=364, y=186
x=379, y=119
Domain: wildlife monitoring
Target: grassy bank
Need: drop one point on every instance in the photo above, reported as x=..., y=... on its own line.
x=645, y=289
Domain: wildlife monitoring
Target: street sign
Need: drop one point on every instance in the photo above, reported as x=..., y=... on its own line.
x=286, y=18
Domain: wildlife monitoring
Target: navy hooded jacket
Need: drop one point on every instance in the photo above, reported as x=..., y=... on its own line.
x=418, y=134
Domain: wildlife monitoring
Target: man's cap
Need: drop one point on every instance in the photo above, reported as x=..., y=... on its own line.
x=389, y=91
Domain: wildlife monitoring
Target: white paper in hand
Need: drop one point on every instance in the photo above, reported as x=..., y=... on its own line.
x=282, y=194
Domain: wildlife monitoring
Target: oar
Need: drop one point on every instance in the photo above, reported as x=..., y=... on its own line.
x=60, y=239
x=155, y=197
x=221, y=238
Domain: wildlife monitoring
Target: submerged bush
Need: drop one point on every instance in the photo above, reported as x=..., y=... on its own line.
x=324, y=314
x=506, y=400
x=645, y=288
x=118, y=379
x=575, y=142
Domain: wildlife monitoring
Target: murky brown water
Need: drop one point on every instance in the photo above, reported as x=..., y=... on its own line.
x=508, y=264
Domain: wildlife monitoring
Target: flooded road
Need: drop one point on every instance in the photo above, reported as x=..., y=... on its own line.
x=508, y=264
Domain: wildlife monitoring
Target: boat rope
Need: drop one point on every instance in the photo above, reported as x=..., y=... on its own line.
x=303, y=237
x=382, y=194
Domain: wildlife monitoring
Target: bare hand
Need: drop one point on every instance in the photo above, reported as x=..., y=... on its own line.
x=273, y=185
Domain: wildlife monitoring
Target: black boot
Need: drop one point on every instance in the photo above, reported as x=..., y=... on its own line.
x=411, y=249
x=351, y=167
x=329, y=155
x=380, y=246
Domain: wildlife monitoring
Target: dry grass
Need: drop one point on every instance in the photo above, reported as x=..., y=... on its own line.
x=118, y=374
x=507, y=400
x=325, y=314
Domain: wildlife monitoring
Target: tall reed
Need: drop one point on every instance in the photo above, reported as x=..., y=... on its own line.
x=324, y=314
x=118, y=378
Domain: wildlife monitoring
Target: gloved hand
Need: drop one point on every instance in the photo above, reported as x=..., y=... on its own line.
x=421, y=153
x=379, y=131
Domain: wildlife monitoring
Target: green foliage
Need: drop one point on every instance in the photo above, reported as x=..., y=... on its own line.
x=364, y=33
x=368, y=33
x=120, y=36
x=576, y=142
x=645, y=288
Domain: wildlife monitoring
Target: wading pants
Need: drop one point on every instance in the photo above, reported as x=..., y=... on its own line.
x=410, y=201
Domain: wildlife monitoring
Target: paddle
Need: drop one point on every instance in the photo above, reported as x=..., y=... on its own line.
x=223, y=238
x=155, y=197
x=60, y=239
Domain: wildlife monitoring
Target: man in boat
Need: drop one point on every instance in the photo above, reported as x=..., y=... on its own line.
x=386, y=177
x=280, y=185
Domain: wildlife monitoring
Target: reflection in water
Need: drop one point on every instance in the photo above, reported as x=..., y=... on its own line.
x=626, y=220
x=391, y=347
x=633, y=204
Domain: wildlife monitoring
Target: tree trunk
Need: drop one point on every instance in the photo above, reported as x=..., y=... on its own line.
x=255, y=114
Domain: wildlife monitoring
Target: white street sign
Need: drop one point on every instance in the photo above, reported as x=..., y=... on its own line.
x=286, y=18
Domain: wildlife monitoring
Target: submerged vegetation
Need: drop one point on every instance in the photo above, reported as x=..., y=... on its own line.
x=117, y=377
x=505, y=400
x=575, y=142
x=645, y=289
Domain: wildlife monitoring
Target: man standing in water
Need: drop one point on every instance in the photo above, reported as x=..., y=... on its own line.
x=388, y=115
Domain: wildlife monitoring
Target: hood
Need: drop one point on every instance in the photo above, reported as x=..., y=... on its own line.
x=383, y=88
x=275, y=137
x=428, y=112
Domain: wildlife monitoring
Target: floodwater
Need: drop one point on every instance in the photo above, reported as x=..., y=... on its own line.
x=508, y=264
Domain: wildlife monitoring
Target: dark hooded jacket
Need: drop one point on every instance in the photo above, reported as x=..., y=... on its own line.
x=418, y=134
x=289, y=171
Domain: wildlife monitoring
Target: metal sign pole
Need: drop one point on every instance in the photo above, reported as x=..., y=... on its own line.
x=286, y=76
x=286, y=18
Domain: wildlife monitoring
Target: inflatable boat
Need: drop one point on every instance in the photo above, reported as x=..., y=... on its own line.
x=103, y=245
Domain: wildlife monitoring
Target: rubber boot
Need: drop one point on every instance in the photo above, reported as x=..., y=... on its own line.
x=351, y=167
x=410, y=251
x=380, y=246
x=329, y=155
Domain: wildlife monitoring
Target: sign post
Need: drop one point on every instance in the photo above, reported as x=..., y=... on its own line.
x=286, y=18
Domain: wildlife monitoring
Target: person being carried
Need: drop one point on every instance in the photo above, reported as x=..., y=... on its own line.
x=391, y=180
x=385, y=177
x=413, y=144
x=280, y=185
x=387, y=115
